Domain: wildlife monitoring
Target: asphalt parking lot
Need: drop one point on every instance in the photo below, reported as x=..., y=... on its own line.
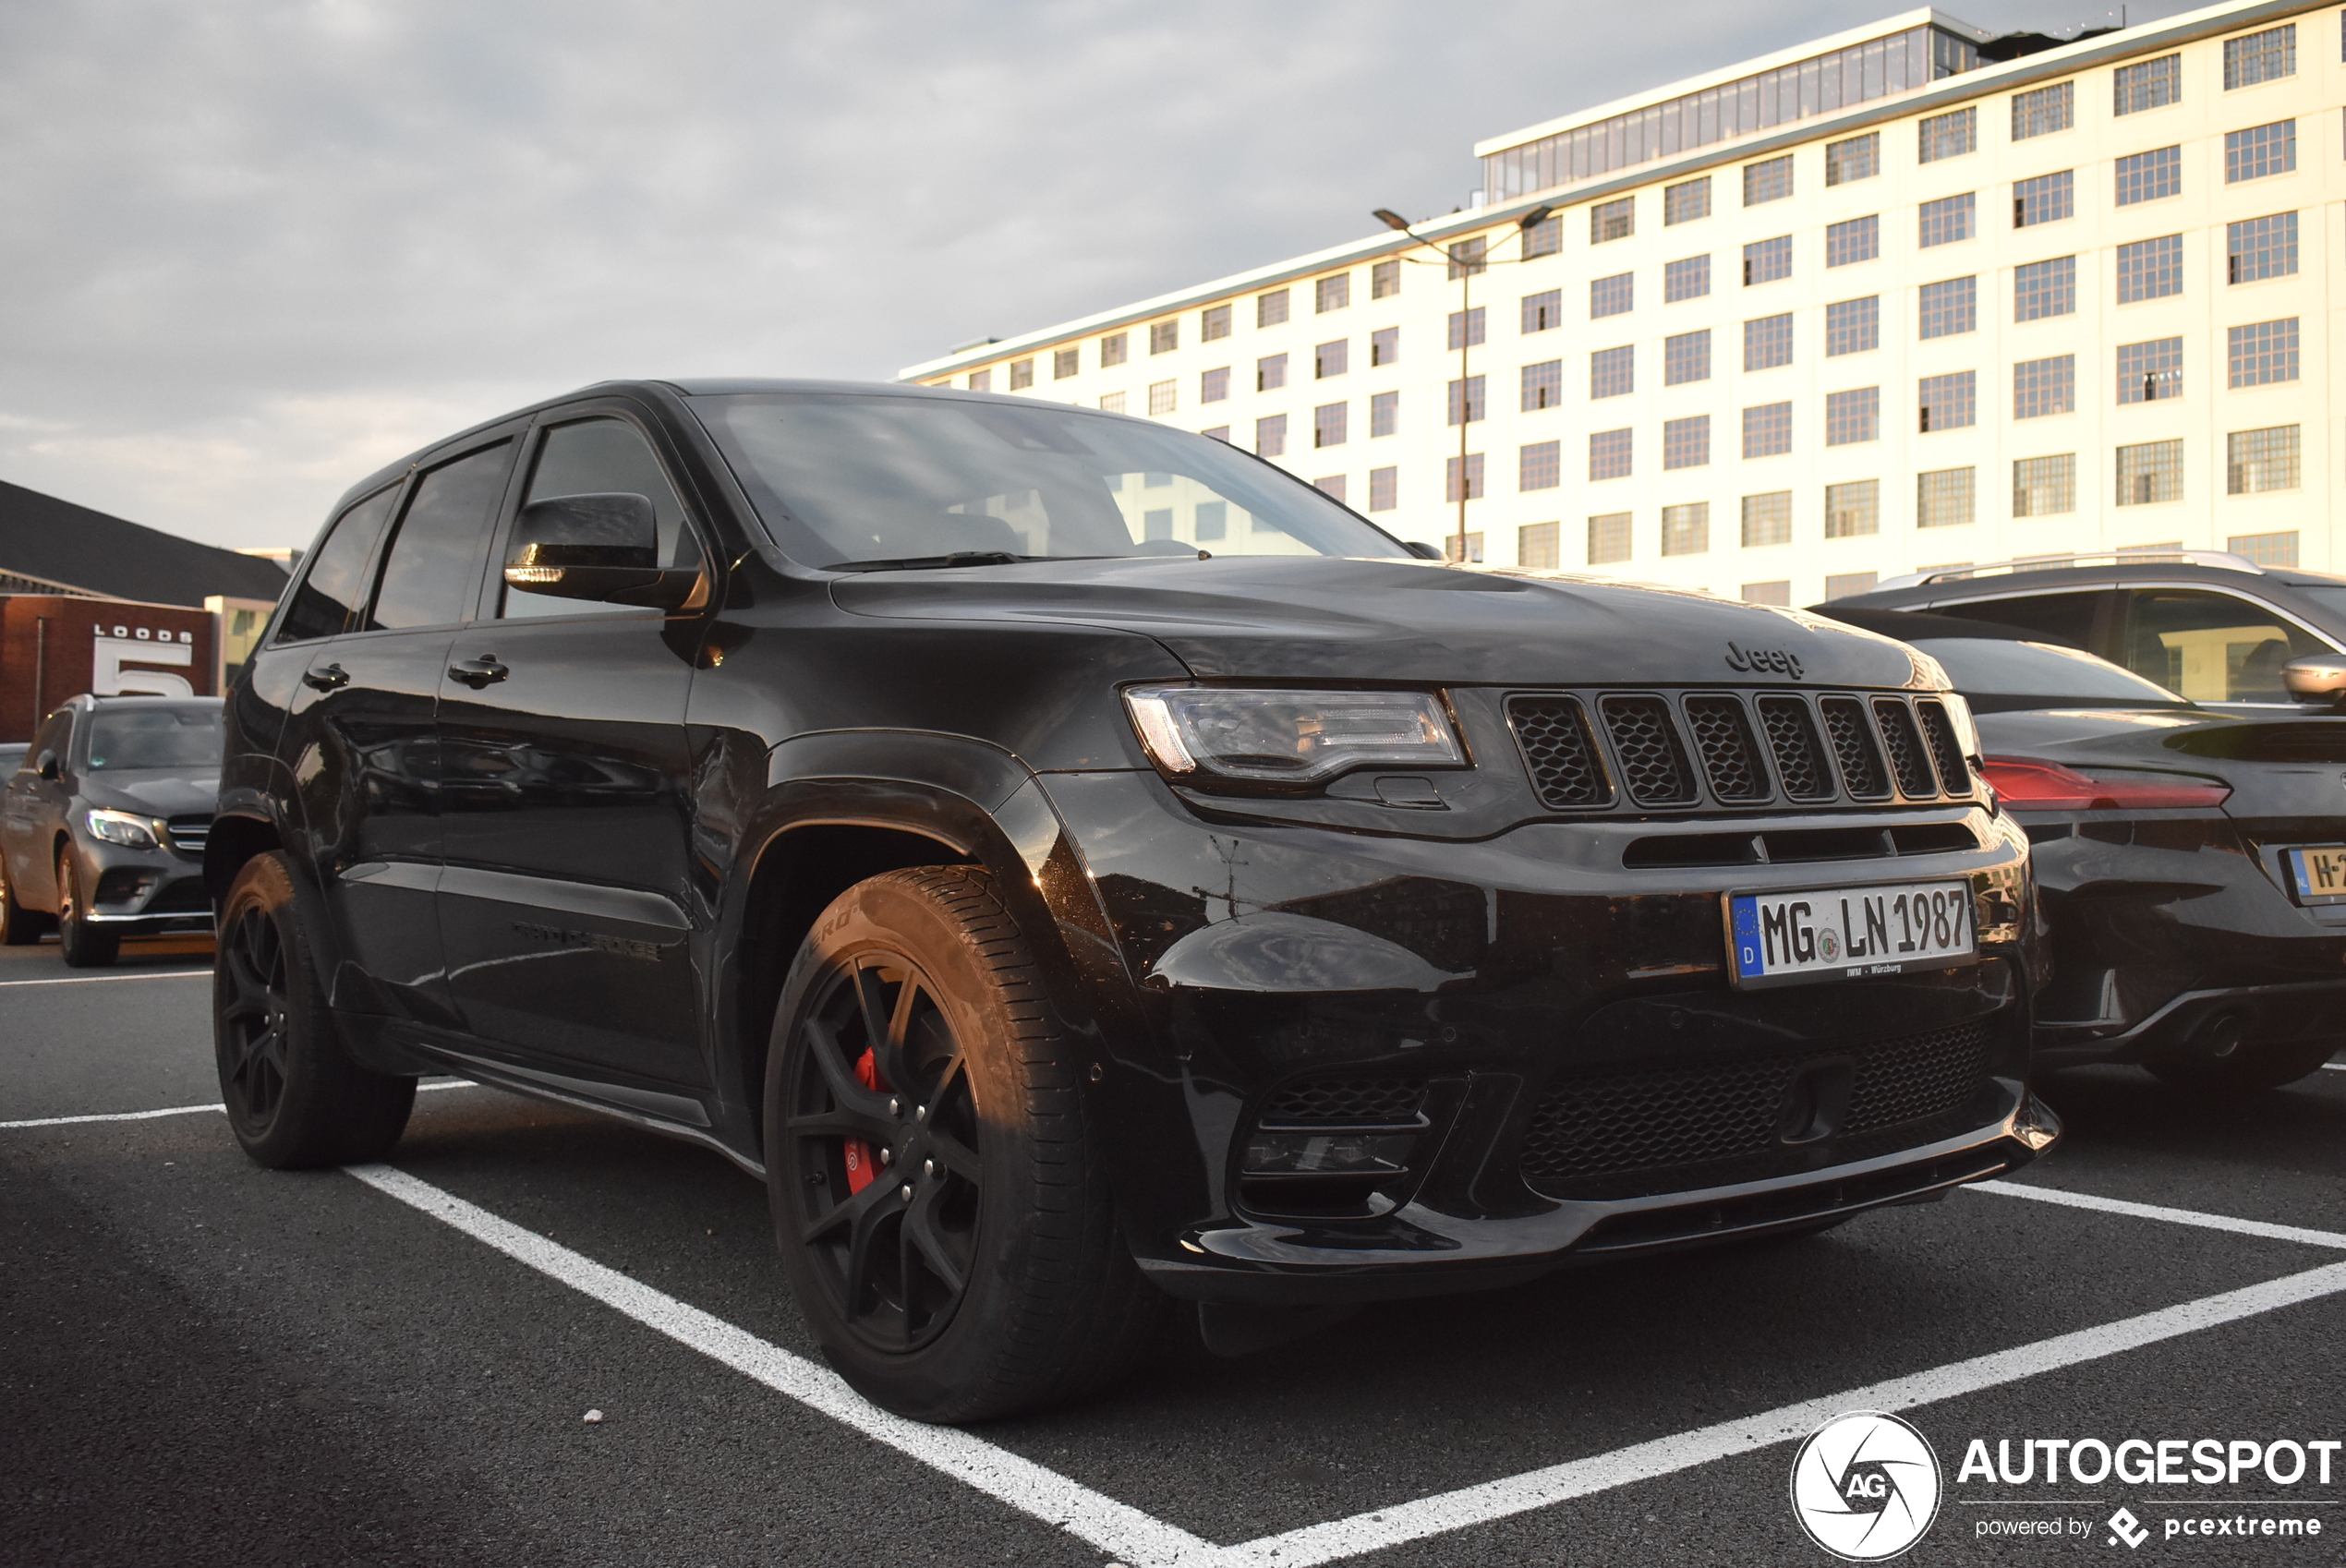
x=206, y=1362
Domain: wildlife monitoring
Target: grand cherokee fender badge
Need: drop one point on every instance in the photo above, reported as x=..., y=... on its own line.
x=1752, y=660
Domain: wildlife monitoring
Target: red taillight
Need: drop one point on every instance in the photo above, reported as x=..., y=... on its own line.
x=2022, y=785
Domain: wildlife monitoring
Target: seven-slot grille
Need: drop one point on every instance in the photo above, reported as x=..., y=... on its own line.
x=1732, y=749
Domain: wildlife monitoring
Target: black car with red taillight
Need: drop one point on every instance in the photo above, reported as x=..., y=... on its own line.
x=2191, y=863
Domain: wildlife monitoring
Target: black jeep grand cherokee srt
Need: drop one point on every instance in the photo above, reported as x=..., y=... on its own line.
x=1082, y=868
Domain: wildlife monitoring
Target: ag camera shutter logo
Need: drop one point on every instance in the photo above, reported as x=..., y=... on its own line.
x=1865, y=1486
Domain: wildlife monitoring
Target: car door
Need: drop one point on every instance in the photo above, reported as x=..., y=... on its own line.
x=2210, y=645
x=360, y=730
x=565, y=800
x=33, y=814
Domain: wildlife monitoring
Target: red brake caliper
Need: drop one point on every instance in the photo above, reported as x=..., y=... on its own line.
x=862, y=1168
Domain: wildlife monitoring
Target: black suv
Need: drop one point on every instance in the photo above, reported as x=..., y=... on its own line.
x=1079, y=866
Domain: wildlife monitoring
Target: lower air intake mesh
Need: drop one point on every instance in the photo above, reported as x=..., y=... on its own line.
x=1345, y=1102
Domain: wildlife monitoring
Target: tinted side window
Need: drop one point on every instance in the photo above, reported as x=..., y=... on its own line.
x=2213, y=647
x=2055, y=618
x=54, y=733
x=435, y=557
x=337, y=577
x=595, y=457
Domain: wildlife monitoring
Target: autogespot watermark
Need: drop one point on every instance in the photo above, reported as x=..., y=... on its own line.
x=1865, y=1486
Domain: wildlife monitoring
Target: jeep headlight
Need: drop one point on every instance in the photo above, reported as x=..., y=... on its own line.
x=1275, y=736
x=121, y=827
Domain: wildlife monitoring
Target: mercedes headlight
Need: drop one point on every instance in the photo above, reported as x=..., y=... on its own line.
x=1272, y=737
x=121, y=827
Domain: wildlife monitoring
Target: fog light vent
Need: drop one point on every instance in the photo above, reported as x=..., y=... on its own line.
x=1328, y=1153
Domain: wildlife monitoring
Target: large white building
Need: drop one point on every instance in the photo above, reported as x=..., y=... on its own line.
x=1871, y=305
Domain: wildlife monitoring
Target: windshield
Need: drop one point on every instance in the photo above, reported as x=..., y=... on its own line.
x=2332, y=596
x=1985, y=667
x=156, y=737
x=844, y=478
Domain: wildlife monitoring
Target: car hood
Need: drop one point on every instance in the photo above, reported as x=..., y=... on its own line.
x=151, y=792
x=1285, y=618
x=2292, y=766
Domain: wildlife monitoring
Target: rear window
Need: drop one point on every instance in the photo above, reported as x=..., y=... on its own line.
x=155, y=736
x=1985, y=667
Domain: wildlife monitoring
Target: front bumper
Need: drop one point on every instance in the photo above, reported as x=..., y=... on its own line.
x=143, y=892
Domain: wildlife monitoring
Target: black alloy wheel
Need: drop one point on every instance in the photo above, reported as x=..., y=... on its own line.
x=253, y=997
x=81, y=944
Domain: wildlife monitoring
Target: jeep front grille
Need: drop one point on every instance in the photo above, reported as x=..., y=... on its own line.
x=1653, y=765
x=1553, y=733
x=1954, y=773
x=1903, y=742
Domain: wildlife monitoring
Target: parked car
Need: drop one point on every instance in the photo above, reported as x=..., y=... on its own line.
x=2191, y=864
x=2212, y=627
x=1079, y=866
x=102, y=833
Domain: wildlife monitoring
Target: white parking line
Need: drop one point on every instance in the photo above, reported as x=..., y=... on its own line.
x=2334, y=1067
x=2160, y=1212
x=214, y=1108
x=95, y=978
x=1138, y=1539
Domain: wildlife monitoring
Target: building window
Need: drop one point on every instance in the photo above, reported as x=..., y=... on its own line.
x=1542, y=385
x=1158, y=524
x=1466, y=328
x=1333, y=487
x=1947, y=219
x=2152, y=84
x=2044, y=110
x=981, y=381
x=1766, y=260
x=1686, y=358
x=2260, y=459
x=1777, y=592
x=1766, y=343
x=2259, y=150
x=1539, y=466
x=1270, y=309
x=1689, y=278
x=1948, y=136
x=1854, y=415
x=1164, y=336
x=1331, y=359
x=1686, y=444
x=2260, y=247
x=1686, y=530
x=1948, y=403
x=1609, y=455
x=1384, y=413
x=2149, y=176
x=1329, y=424
x=1766, y=519
x=1538, y=546
x=1608, y=538
x=1684, y=203
x=2151, y=471
x=1270, y=436
x=1613, y=296
x=1115, y=350
x=1853, y=510
x=2265, y=549
x=1613, y=372
x=1384, y=346
x=1846, y=585
x=1770, y=180
x=1545, y=237
x=1161, y=397
x=1467, y=403
x=1473, y=478
x=2043, y=486
x=1612, y=219
x=1543, y=312
x=1220, y=433
x=1214, y=386
x=1214, y=324
x=1853, y=326
x=1767, y=429
x=1384, y=488
x=2150, y=372
x=1473, y=543
x=2260, y=57
x=1270, y=372
x=2150, y=268
x=2045, y=200
x=2044, y=386
x=1860, y=239
x=1466, y=258
x=1066, y=361
x=1332, y=294
x=1944, y=498
x=2261, y=353
x=1384, y=281
x=2045, y=288
x=1950, y=307
x=1859, y=158
x=1021, y=374
x=1112, y=402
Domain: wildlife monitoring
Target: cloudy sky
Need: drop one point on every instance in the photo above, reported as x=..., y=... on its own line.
x=250, y=250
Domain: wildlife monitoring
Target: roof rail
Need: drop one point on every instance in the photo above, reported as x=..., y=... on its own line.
x=2225, y=558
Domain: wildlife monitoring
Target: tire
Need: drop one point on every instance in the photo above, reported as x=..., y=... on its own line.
x=19, y=927
x=295, y=1099
x=915, y=1043
x=2245, y=1069
x=81, y=944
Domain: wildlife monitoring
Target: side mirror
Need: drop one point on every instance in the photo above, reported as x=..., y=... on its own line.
x=603, y=547
x=1423, y=551
x=2319, y=678
x=47, y=766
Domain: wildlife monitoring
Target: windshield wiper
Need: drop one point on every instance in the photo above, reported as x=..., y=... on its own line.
x=958, y=558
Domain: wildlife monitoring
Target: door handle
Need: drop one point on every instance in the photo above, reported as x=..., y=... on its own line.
x=326, y=679
x=479, y=673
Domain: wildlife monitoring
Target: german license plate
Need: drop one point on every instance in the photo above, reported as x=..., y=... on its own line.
x=1844, y=933
x=2320, y=873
